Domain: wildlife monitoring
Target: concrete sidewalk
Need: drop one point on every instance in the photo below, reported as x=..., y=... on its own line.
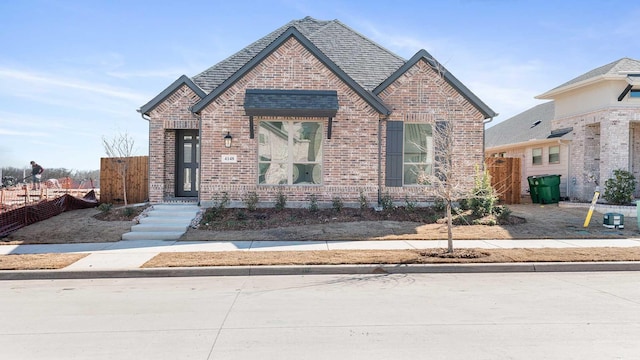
x=117, y=258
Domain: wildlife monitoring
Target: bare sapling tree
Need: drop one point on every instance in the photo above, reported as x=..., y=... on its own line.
x=120, y=147
x=446, y=181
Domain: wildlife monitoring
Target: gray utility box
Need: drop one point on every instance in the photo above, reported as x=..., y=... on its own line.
x=613, y=221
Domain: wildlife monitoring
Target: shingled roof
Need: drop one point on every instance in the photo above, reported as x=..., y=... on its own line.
x=359, y=62
x=363, y=60
x=532, y=124
x=618, y=69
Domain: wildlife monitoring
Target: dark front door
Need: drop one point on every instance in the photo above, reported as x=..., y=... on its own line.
x=187, y=161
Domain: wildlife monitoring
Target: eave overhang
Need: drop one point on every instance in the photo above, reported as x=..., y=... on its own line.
x=182, y=80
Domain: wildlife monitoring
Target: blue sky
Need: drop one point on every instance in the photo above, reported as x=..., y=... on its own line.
x=72, y=72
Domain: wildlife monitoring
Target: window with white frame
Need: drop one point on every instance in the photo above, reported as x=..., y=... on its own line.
x=554, y=154
x=290, y=152
x=417, y=153
x=536, y=155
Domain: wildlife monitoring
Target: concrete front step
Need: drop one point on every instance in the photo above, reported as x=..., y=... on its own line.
x=172, y=213
x=167, y=219
x=163, y=222
x=163, y=207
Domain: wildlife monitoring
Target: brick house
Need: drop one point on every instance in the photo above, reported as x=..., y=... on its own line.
x=313, y=108
x=589, y=129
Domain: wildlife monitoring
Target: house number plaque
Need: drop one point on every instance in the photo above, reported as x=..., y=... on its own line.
x=229, y=158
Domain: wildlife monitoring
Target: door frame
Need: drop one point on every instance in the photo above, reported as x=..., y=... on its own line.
x=181, y=165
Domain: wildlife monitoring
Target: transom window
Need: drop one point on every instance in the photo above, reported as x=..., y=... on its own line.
x=537, y=156
x=554, y=154
x=418, y=152
x=290, y=152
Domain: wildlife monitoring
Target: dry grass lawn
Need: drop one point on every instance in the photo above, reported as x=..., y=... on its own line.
x=542, y=222
x=431, y=256
x=38, y=261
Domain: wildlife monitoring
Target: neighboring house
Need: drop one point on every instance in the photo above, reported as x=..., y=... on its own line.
x=528, y=136
x=313, y=108
x=590, y=129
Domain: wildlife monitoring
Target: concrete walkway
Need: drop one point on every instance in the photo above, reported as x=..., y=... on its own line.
x=122, y=256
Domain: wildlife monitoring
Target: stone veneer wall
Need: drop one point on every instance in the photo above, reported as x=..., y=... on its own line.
x=601, y=144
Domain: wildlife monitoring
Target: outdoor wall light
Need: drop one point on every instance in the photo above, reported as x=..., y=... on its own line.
x=227, y=140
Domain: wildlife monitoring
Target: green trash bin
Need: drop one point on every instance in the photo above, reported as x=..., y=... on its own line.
x=533, y=189
x=553, y=182
x=548, y=188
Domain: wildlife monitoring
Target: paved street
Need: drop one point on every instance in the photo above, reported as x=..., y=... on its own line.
x=435, y=316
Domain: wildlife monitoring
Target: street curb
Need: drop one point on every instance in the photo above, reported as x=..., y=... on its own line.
x=321, y=270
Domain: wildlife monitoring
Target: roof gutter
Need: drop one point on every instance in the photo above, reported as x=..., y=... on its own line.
x=146, y=117
x=485, y=122
x=143, y=115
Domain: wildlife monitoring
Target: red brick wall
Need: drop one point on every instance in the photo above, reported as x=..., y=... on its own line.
x=422, y=95
x=350, y=157
x=173, y=113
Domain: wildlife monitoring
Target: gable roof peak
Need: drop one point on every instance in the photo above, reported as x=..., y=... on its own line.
x=293, y=32
x=616, y=69
x=182, y=80
x=422, y=54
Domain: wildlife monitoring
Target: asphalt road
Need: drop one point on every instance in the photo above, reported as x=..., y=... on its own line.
x=402, y=316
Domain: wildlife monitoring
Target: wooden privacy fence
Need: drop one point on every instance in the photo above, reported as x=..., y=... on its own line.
x=505, y=178
x=137, y=179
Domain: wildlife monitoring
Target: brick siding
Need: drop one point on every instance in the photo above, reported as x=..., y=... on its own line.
x=350, y=157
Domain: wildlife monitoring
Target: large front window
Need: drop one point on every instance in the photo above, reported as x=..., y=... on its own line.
x=290, y=152
x=418, y=152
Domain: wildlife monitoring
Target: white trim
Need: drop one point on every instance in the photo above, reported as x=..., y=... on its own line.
x=551, y=94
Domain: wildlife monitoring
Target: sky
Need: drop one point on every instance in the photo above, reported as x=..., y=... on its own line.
x=74, y=72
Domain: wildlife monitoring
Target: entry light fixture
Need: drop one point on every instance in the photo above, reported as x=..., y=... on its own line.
x=227, y=140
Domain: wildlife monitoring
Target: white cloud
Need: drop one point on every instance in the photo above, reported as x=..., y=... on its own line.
x=42, y=82
x=22, y=133
x=171, y=74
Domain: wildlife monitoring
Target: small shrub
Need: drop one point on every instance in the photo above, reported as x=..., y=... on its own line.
x=211, y=214
x=362, y=199
x=337, y=204
x=313, y=203
x=386, y=202
x=251, y=200
x=281, y=200
x=439, y=205
x=410, y=205
x=128, y=211
x=619, y=189
x=224, y=201
x=241, y=215
x=464, y=204
x=483, y=197
x=105, y=207
x=502, y=213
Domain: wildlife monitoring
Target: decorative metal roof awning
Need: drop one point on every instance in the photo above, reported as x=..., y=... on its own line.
x=301, y=103
x=294, y=103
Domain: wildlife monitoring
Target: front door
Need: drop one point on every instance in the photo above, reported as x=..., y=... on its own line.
x=187, y=161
